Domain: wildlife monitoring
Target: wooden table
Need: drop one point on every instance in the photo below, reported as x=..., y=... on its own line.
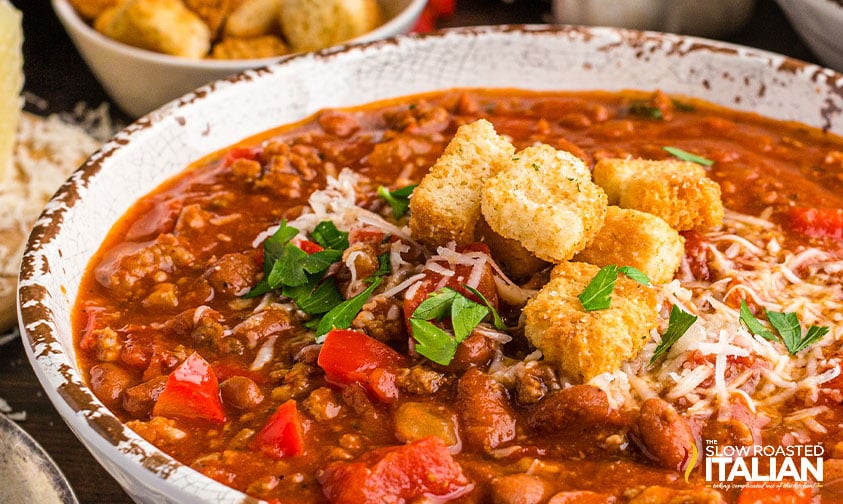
x=56, y=73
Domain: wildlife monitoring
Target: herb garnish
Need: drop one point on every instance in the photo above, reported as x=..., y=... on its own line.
x=434, y=342
x=597, y=295
x=688, y=156
x=788, y=327
x=398, y=199
x=341, y=315
x=642, y=108
x=678, y=324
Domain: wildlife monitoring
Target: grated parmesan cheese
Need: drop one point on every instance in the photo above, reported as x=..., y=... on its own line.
x=718, y=358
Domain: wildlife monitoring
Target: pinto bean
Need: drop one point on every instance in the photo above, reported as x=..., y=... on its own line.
x=580, y=406
x=665, y=435
x=139, y=399
x=520, y=489
x=232, y=274
x=475, y=350
x=486, y=412
x=241, y=392
x=108, y=381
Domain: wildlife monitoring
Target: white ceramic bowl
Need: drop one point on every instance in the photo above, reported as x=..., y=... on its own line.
x=140, y=81
x=820, y=24
x=164, y=142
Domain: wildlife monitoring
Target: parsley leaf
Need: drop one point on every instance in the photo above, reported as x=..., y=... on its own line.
x=341, y=316
x=398, y=199
x=688, y=156
x=497, y=321
x=436, y=305
x=315, y=297
x=641, y=108
x=433, y=342
x=753, y=325
x=597, y=295
x=787, y=324
x=465, y=315
x=328, y=236
x=635, y=274
x=678, y=324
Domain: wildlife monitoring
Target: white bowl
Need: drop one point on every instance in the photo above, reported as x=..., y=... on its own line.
x=140, y=81
x=820, y=25
x=164, y=142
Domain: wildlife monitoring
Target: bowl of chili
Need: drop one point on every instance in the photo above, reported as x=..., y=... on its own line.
x=209, y=333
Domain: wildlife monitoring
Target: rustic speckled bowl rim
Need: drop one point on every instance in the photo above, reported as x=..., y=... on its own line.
x=221, y=113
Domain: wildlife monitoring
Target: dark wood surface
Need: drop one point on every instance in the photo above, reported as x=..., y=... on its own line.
x=57, y=75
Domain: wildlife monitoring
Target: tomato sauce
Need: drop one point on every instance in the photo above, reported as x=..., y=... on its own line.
x=359, y=416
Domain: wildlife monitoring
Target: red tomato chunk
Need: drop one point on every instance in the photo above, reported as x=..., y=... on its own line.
x=283, y=435
x=397, y=474
x=192, y=391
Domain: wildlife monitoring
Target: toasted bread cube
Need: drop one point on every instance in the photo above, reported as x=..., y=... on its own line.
x=315, y=24
x=545, y=200
x=264, y=46
x=517, y=262
x=638, y=239
x=90, y=9
x=445, y=206
x=677, y=191
x=164, y=26
x=254, y=18
x=212, y=12
x=584, y=344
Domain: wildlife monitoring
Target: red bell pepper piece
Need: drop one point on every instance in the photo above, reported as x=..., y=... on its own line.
x=817, y=222
x=282, y=436
x=307, y=246
x=192, y=391
x=397, y=474
x=349, y=356
x=250, y=153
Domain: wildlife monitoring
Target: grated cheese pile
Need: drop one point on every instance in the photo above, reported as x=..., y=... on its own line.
x=718, y=360
x=47, y=151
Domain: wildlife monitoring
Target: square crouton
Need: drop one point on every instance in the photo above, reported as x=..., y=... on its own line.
x=638, y=239
x=584, y=344
x=518, y=263
x=445, y=206
x=546, y=200
x=677, y=191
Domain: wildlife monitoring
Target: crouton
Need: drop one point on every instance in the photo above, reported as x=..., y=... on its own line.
x=677, y=191
x=315, y=24
x=446, y=204
x=546, y=200
x=584, y=344
x=164, y=26
x=254, y=18
x=265, y=46
x=90, y=9
x=518, y=263
x=638, y=239
x=212, y=12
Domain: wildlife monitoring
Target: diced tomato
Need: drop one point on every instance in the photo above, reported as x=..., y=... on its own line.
x=775, y=495
x=309, y=247
x=250, y=153
x=486, y=286
x=397, y=474
x=349, y=356
x=282, y=436
x=817, y=222
x=192, y=391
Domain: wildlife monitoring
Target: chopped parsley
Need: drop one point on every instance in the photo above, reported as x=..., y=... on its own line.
x=678, y=324
x=434, y=342
x=341, y=315
x=642, y=108
x=398, y=199
x=786, y=325
x=597, y=295
x=688, y=156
